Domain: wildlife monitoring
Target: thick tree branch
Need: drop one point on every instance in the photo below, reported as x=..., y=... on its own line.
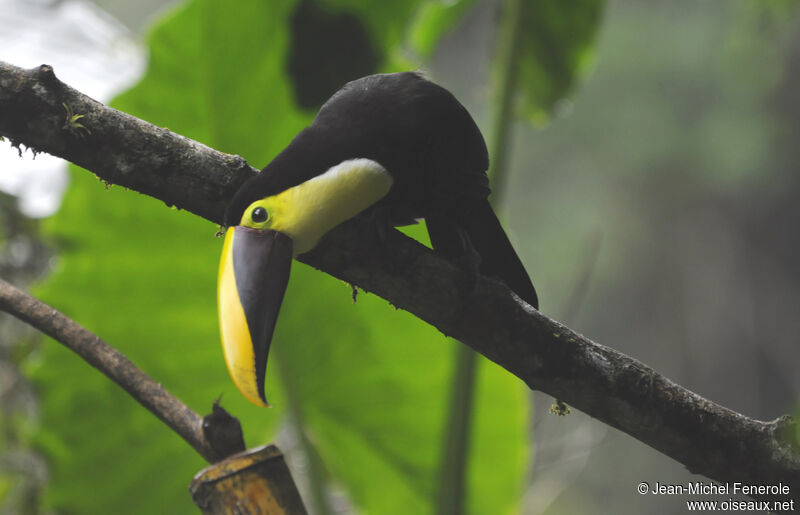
x=610, y=386
x=117, y=147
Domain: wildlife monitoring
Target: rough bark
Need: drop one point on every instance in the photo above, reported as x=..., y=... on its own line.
x=707, y=438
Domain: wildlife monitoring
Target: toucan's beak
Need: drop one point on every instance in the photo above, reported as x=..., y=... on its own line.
x=253, y=273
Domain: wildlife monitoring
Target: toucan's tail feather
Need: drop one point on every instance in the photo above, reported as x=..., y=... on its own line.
x=485, y=234
x=498, y=257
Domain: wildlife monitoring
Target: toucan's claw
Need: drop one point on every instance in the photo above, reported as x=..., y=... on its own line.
x=378, y=218
x=469, y=261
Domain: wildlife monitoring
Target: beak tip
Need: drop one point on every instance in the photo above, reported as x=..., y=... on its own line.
x=251, y=394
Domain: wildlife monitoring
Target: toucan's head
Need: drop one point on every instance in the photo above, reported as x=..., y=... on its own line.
x=260, y=241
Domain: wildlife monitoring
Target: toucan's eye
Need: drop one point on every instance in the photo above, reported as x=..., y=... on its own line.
x=259, y=215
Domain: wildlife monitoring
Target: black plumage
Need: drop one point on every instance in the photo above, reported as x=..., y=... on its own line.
x=434, y=151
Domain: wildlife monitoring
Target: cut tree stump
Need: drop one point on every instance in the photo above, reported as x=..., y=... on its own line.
x=256, y=481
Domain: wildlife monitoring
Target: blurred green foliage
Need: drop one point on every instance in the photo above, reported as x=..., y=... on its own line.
x=673, y=143
x=555, y=48
x=370, y=383
x=23, y=260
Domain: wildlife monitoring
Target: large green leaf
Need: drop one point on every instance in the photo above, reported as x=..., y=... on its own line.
x=370, y=382
x=554, y=48
x=433, y=19
x=141, y=276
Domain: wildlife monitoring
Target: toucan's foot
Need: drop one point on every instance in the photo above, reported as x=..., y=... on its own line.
x=379, y=227
x=383, y=219
x=381, y=230
x=379, y=219
x=452, y=241
x=470, y=262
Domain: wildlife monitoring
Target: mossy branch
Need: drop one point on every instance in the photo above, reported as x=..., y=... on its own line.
x=707, y=438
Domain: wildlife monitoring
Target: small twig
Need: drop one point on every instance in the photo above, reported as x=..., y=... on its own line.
x=112, y=363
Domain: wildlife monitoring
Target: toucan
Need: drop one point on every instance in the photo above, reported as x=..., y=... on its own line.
x=394, y=147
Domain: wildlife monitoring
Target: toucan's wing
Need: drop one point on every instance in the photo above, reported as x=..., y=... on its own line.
x=417, y=130
x=481, y=229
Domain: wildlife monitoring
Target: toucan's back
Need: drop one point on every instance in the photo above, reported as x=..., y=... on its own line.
x=432, y=147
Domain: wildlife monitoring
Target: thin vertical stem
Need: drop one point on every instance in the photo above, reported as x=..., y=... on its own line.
x=508, y=53
x=317, y=483
x=453, y=488
x=316, y=473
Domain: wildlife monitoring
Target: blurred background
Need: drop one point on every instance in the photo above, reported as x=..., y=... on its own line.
x=651, y=190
